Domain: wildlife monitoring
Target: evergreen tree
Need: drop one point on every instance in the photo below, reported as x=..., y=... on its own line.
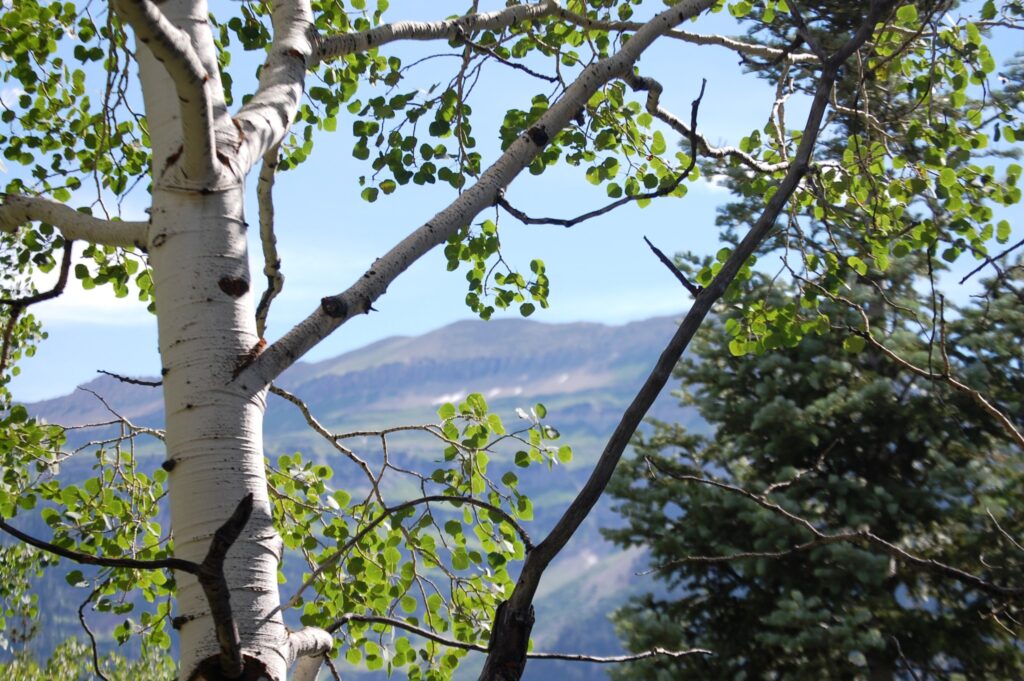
x=849, y=441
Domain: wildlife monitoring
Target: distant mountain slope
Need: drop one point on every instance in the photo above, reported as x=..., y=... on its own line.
x=584, y=373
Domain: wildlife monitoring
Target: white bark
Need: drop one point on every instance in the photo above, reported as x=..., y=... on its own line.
x=266, y=117
x=350, y=43
x=308, y=648
x=19, y=210
x=185, y=142
x=173, y=47
x=214, y=439
x=198, y=252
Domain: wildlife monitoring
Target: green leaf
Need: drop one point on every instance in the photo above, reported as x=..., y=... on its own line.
x=907, y=14
x=658, y=143
x=853, y=344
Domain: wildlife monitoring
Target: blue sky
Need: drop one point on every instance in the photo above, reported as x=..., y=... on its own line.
x=600, y=270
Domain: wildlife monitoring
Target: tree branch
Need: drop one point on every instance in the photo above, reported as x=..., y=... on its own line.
x=131, y=381
x=58, y=288
x=308, y=649
x=18, y=305
x=336, y=46
x=521, y=600
x=218, y=594
x=87, y=559
x=17, y=210
x=271, y=259
x=945, y=376
x=336, y=310
x=173, y=48
x=264, y=120
x=209, y=573
x=667, y=262
x=699, y=143
x=822, y=538
x=462, y=645
x=741, y=47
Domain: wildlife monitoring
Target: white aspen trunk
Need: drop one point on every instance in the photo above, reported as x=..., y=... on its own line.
x=199, y=257
x=214, y=439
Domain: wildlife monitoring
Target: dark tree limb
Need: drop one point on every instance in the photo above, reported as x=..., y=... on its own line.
x=218, y=595
x=18, y=305
x=520, y=602
x=692, y=288
x=132, y=381
x=58, y=288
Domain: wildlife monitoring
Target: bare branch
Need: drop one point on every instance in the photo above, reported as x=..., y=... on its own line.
x=88, y=632
x=336, y=46
x=17, y=210
x=271, y=259
x=323, y=432
x=173, y=48
x=462, y=645
x=945, y=376
x=130, y=381
x=1006, y=535
x=741, y=47
x=699, y=143
x=336, y=310
x=990, y=260
x=667, y=262
x=822, y=538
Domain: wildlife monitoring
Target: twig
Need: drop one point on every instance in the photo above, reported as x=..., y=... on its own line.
x=92, y=637
x=333, y=669
x=132, y=381
x=484, y=49
x=271, y=258
x=1006, y=535
x=334, y=557
x=661, y=191
x=991, y=260
x=692, y=288
x=475, y=647
x=903, y=658
x=848, y=537
x=58, y=288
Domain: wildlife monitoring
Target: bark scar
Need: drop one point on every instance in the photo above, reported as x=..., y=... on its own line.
x=235, y=287
x=248, y=358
